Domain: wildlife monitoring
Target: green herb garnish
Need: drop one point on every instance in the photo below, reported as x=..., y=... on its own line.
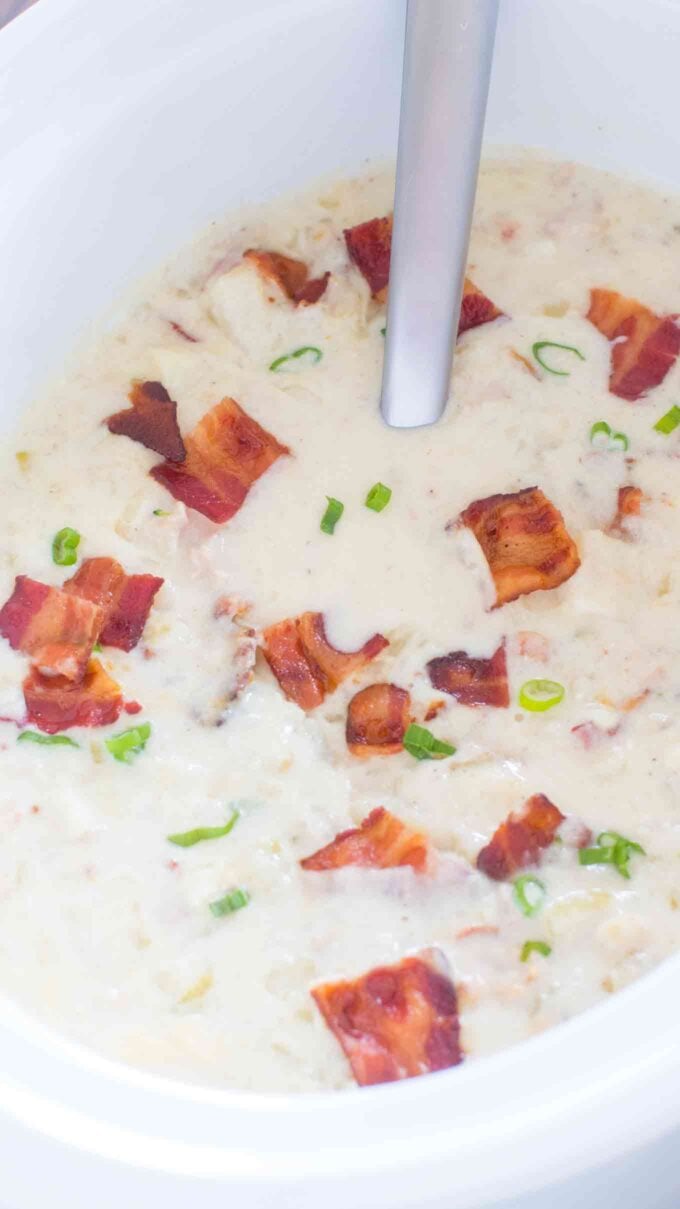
x=602, y=437
x=187, y=839
x=129, y=743
x=534, y=946
x=421, y=743
x=35, y=736
x=160, y=512
x=669, y=421
x=378, y=497
x=539, y=695
x=332, y=515
x=612, y=849
x=309, y=354
x=528, y=892
x=65, y=546
x=568, y=348
x=234, y=900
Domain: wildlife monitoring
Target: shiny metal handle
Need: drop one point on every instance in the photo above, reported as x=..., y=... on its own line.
x=447, y=64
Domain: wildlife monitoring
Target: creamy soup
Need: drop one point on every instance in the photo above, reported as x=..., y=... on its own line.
x=523, y=753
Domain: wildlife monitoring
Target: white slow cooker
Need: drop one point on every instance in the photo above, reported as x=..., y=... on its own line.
x=125, y=126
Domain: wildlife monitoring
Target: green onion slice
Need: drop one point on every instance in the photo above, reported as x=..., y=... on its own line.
x=421, y=743
x=669, y=421
x=309, y=354
x=602, y=437
x=539, y=695
x=331, y=516
x=528, y=892
x=65, y=546
x=534, y=946
x=612, y=849
x=383, y=331
x=35, y=736
x=129, y=743
x=378, y=497
x=187, y=839
x=160, y=512
x=234, y=900
x=568, y=348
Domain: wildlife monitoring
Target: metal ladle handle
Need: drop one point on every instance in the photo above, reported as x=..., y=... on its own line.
x=447, y=64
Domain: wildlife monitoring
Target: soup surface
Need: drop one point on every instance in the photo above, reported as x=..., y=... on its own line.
x=526, y=650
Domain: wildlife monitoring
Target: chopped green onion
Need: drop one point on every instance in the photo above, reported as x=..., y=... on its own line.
x=378, y=497
x=602, y=437
x=34, y=736
x=669, y=421
x=528, y=892
x=539, y=695
x=129, y=743
x=332, y=515
x=234, y=900
x=612, y=849
x=568, y=348
x=97, y=648
x=383, y=331
x=309, y=354
x=534, y=946
x=65, y=546
x=187, y=839
x=160, y=512
x=421, y=743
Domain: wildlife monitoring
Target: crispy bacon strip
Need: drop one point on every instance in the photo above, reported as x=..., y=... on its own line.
x=54, y=704
x=628, y=504
x=377, y=718
x=305, y=664
x=381, y=842
x=645, y=345
x=291, y=276
x=152, y=421
x=395, y=1022
x=524, y=541
x=226, y=453
x=126, y=600
x=56, y=629
x=472, y=681
x=518, y=841
x=369, y=245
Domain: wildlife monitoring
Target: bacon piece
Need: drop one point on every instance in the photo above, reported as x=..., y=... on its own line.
x=377, y=718
x=56, y=629
x=55, y=704
x=524, y=541
x=381, y=842
x=291, y=276
x=434, y=708
x=369, y=245
x=125, y=599
x=152, y=421
x=472, y=681
x=304, y=662
x=628, y=504
x=518, y=841
x=395, y=1022
x=646, y=345
x=226, y=453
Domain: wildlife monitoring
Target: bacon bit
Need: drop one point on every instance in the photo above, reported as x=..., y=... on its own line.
x=519, y=840
x=56, y=629
x=304, y=662
x=55, y=703
x=181, y=331
x=632, y=703
x=434, y=708
x=369, y=245
x=525, y=362
x=509, y=230
x=226, y=453
x=377, y=718
x=533, y=645
x=590, y=735
x=645, y=345
x=172, y=865
x=478, y=930
x=132, y=707
x=629, y=503
x=380, y=842
x=524, y=541
x=126, y=600
x=152, y=421
x=291, y=276
x=472, y=681
x=395, y=1022
x=575, y=833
